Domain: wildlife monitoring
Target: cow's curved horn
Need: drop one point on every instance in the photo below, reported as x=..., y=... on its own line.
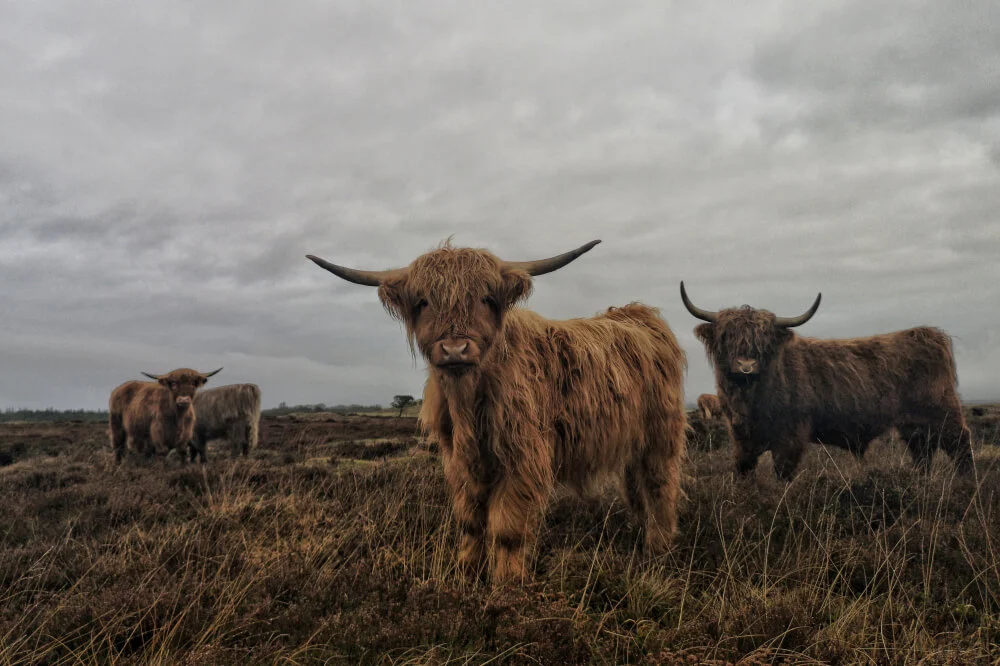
x=150, y=376
x=366, y=278
x=704, y=315
x=543, y=266
x=791, y=322
x=206, y=375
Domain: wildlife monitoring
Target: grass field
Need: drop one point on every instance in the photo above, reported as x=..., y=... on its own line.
x=333, y=544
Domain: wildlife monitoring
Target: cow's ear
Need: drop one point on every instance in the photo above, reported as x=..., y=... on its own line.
x=784, y=335
x=705, y=333
x=201, y=381
x=163, y=381
x=393, y=294
x=516, y=286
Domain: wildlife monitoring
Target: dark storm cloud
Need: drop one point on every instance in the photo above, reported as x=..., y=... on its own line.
x=165, y=167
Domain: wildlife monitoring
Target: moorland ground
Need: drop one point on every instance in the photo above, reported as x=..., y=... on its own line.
x=333, y=543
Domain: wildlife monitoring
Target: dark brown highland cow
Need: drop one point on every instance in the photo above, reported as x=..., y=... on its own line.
x=155, y=417
x=232, y=412
x=519, y=403
x=709, y=407
x=780, y=391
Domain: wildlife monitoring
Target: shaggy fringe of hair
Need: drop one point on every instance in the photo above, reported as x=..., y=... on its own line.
x=432, y=277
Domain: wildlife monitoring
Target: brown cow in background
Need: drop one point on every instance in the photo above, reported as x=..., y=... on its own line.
x=781, y=390
x=518, y=402
x=155, y=417
x=709, y=407
x=231, y=411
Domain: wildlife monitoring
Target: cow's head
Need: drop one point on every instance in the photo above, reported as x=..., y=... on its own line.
x=453, y=300
x=741, y=342
x=182, y=384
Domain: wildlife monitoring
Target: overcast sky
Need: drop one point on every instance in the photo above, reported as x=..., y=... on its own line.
x=164, y=167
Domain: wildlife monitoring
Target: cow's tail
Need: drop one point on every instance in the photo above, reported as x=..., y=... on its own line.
x=253, y=427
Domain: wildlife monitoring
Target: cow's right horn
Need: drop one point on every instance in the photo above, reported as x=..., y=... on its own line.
x=366, y=278
x=704, y=315
x=791, y=322
x=150, y=376
x=543, y=266
x=206, y=375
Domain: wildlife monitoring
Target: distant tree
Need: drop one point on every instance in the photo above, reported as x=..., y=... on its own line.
x=401, y=402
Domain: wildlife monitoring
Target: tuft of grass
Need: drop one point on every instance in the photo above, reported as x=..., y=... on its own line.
x=333, y=543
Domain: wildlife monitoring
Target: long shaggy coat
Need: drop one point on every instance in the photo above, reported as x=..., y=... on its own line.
x=842, y=392
x=154, y=417
x=562, y=401
x=231, y=412
x=519, y=403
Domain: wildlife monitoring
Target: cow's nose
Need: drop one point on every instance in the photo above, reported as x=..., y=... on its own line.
x=184, y=400
x=454, y=352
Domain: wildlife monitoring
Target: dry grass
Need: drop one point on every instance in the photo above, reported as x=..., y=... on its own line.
x=317, y=550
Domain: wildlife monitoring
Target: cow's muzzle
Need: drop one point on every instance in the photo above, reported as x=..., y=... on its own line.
x=455, y=354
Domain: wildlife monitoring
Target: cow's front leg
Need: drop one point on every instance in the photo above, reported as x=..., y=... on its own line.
x=468, y=496
x=515, y=508
x=746, y=457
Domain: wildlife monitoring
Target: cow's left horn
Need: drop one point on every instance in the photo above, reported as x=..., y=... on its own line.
x=150, y=376
x=209, y=374
x=704, y=315
x=543, y=266
x=366, y=278
x=791, y=322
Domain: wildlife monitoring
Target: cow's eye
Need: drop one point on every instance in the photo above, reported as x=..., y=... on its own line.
x=419, y=307
x=491, y=303
x=173, y=385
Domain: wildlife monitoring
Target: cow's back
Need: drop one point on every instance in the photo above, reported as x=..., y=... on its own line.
x=125, y=394
x=219, y=407
x=869, y=380
x=596, y=384
x=141, y=405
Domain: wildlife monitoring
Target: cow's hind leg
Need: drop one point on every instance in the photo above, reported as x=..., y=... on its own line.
x=661, y=481
x=919, y=446
x=956, y=440
x=237, y=436
x=513, y=513
x=660, y=475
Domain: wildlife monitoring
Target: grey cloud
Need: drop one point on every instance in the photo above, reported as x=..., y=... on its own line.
x=163, y=172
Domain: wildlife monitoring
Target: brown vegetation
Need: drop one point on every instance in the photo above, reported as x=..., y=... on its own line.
x=780, y=391
x=518, y=403
x=300, y=554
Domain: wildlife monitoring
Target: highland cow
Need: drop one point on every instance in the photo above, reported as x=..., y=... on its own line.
x=709, y=407
x=780, y=391
x=155, y=417
x=519, y=403
x=231, y=412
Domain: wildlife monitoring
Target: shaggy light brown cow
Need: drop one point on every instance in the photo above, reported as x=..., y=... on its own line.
x=781, y=391
x=231, y=411
x=709, y=407
x=518, y=402
x=155, y=417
